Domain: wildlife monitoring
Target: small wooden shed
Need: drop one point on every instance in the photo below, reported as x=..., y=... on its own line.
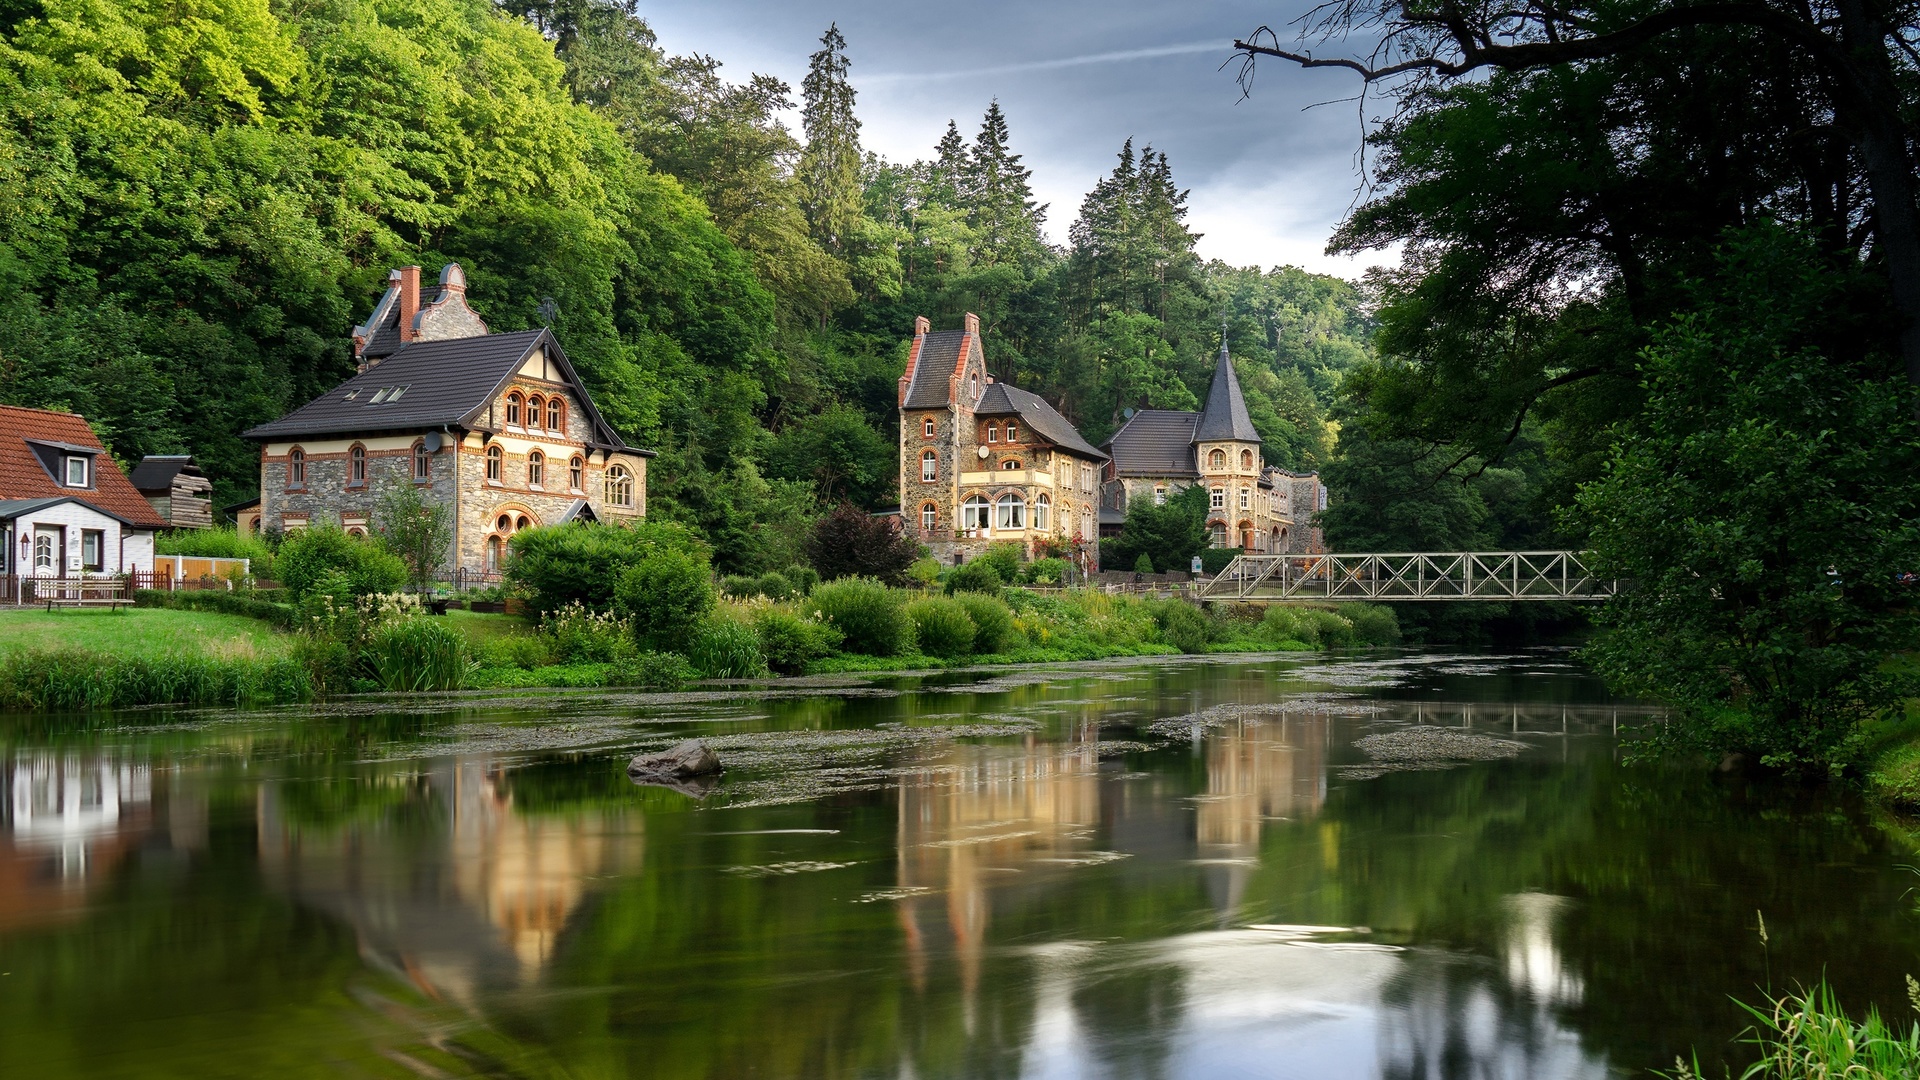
x=179, y=492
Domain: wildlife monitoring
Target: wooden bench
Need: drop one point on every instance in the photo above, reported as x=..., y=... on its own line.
x=64, y=593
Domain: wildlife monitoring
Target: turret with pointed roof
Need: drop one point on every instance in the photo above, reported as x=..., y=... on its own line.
x=1225, y=417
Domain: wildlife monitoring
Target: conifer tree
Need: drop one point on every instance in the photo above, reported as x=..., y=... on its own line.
x=998, y=194
x=947, y=174
x=830, y=181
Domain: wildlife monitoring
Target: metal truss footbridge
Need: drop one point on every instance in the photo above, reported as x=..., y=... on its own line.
x=1465, y=575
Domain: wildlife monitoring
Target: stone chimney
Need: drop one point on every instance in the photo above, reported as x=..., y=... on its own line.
x=921, y=326
x=409, y=301
x=973, y=323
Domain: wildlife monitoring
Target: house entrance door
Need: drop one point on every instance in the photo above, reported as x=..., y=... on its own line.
x=48, y=546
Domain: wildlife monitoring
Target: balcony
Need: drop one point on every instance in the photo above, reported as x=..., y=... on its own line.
x=1007, y=477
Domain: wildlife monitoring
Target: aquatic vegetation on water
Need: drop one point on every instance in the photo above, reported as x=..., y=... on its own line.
x=1809, y=1036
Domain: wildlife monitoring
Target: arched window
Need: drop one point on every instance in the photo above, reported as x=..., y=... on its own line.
x=1010, y=512
x=1042, y=510
x=1010, y=464
x=422, y=462
x=929, y=516
x=556, y=414
x=296, y=468
x=536, y=468
x=619, y=486
x=534, y=405
x=494, y=544
x=576, y=473
x=974, y=513
x=929, y=467
x=1246, y=461
x=357, y=464
x=496, y=463
x=1215, y=460
x=973, y=386
x=359, y=531
x=513, y=410
x=928, y=427
x=1013, y=431
x=1219, y=533
x=993, y=433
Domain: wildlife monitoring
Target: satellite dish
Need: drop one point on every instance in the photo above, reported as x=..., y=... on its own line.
x=431, y=442
x=982, y=451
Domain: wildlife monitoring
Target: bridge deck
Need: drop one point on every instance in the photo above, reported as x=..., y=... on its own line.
x=1467, y=575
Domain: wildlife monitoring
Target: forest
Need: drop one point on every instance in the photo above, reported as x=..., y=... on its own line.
x=198, y=199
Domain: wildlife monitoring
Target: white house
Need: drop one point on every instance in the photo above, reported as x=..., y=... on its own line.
x=66, y=509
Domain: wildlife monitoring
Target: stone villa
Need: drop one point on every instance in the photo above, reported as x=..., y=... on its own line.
x=982, y=461
x=497, y=426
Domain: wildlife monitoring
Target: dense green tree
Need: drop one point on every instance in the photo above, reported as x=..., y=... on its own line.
x=830, y=165
x=1170, y=534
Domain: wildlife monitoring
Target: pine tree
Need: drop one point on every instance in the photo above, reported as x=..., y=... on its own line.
x=998, y=193
x=947, y=173
x=830, y=186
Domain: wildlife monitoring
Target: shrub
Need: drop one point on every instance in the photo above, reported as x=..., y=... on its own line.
x=739, y=586
x=924, y=571
x=803, y=578
x=248, y=604
x=1050, y=571
x=725, y=649
x=774, y=585
x=849, y=542
x=1143, y=564
x=418, y=654
x=307, y=556
x=578, y=634
x=1183, y=626
x=1213, y=560
x=993, y=630
x=558, y=564
x=941, y=626
x=220, y=542
x=977, y=576
x=1004, y=556
x=524, y=651
x=868, y=614
x=417, y=530
x=1280, y=625
x=1335, y=632
x=1373, y=624
x=666, y=594
x=790, y=642
x=64, y=680
x=651, y=670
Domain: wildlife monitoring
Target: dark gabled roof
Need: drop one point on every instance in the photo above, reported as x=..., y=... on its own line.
x=1039, y=417
x=383, y=328
x=1225, y=416
x=1155, y=442
x=449, y=383
x=156, y=471
x=939, y=354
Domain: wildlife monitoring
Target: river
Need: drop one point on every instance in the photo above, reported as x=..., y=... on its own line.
x=1207, y=868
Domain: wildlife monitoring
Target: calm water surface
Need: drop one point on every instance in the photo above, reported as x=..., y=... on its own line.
x=1174, y=869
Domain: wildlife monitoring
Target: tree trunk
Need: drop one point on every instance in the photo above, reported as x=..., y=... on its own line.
x=1882, y=140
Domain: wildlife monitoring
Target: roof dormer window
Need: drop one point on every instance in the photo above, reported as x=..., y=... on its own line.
x=77, y=471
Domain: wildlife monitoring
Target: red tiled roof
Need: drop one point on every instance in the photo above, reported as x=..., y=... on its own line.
x=23, y=477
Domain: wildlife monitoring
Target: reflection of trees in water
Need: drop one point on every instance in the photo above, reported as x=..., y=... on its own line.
x=1131, y=1016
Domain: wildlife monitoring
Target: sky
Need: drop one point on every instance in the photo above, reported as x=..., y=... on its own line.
x=1271, y=176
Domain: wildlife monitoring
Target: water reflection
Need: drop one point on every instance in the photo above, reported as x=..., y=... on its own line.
x=69, y=819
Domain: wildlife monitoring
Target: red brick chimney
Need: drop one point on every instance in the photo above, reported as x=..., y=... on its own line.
x=921, y=325
x=409, y=300
x=973, y=323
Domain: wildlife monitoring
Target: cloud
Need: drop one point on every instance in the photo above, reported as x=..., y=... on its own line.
x=1044, y=65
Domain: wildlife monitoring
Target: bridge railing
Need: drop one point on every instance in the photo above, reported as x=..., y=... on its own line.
x=1464, y=575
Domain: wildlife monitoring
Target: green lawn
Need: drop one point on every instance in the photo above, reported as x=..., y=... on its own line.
x=135, y=631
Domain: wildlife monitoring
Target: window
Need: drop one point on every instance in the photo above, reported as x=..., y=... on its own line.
x=993, y=433
x=974, y=513
x=555, y=415
x=1215, y=460
x=1246, y=461
x=576, y=473
x=536, y=468
x=1246, y=499
x=296, y=468
x=1042, y=509
x=973, y=386
x=496, y=460
x=422, y=462
x=1160, y=495
x=1010, y=464
x=1219, y=499
x=77, y=472
x=357, y=465
x=92, y=546
x=927, y=428
x=513, y=410
x=1013, y=431
x=929, y=467
x=534, y=405
x=45, y=557
x=493, y=554
x=929, y=516
x=1219, y=533
x=1010, y=512
x=619, y=485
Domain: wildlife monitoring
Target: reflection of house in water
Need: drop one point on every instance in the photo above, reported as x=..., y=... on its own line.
x=67, y=819
x=446, y=882
x=1260, y=767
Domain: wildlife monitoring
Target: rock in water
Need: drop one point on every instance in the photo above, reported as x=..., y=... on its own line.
x=688, y=759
